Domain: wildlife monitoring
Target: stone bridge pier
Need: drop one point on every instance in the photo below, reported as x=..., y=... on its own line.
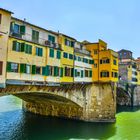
x=91, y=102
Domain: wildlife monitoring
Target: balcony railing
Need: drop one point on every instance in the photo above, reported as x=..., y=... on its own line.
x=52, y=45
x=16, y=35
x=82, y=51
x=40, y=41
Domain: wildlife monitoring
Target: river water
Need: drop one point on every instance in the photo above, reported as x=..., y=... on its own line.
x=16, y=124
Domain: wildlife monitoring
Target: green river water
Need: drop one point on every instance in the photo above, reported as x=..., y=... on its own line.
x=16, y=124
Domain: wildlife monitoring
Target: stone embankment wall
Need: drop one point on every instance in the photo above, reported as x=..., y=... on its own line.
x=136, y=96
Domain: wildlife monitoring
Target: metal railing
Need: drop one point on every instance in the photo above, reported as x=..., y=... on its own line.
x=82, y=51
x=40, y=41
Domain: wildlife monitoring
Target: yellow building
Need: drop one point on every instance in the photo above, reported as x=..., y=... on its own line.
x=5, y=18
x=67, y=60
x=105, y=68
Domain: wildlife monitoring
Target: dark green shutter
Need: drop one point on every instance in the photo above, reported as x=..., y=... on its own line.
x=51, y=53
x=22, y=30
x=33, y=35
x=72, y=72
x=30, y=49
x=40, y=52
x=33, y=69
x=47, y=71
x=12, y=26
x=44, y=71
x=82, y=73
x=61, y=72
x=37, y=36
x=55, y=71
x=26, y=48
x=22, y=47
x=90, y=73
x=72, y=44
x=53, y=39
x=22, y=68
x=75, y=72
x=58, y=55
x=14, y=45
x=8, y=66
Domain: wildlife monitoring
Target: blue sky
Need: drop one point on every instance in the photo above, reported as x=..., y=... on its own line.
x=117, y=22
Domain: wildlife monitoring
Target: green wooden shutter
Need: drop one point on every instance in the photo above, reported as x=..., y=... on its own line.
x=22, y=30
x=33, y=69
x=44, y=71
x=22, y=47
x=40, y=52
x=90, y=73
x=22, y=68
x=82, y=73
x=61, y=75
x=33, y=35
x=47, y=71
x=8, y=66
x=12, y=26
x=30, y=49
x=37, y=36
x=58, y=55
x=75, y=72
x=14, y=45
x=26, y=48
x=53, y=39
x=72, y=72
x=51, y=53
x=55, y=71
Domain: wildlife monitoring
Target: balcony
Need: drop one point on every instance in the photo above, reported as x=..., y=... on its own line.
x=40, y=41
x=82, y=51
x=52, y=45
x=15, y=34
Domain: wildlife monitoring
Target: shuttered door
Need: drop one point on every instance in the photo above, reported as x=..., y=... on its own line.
x=90, y=73
x=61, y=72
x=1, y=66
x=55, y=71
x=14, y=45
x=8, y=66
x=33, y=69
x=44, y=71
x=22, y=68
x=47, y=71
x=22, y=30
x=82, y=73
x=22, y=47
x=75, y=72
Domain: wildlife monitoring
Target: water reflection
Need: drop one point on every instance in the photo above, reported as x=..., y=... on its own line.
x=127, y=109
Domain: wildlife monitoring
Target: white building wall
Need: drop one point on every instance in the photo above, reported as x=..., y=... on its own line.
x=43, y=34
x=80, y=65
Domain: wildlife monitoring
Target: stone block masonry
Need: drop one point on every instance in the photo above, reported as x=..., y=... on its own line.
x=97, y=103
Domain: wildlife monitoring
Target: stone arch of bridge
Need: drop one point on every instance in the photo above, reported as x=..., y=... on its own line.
x=44, y=97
